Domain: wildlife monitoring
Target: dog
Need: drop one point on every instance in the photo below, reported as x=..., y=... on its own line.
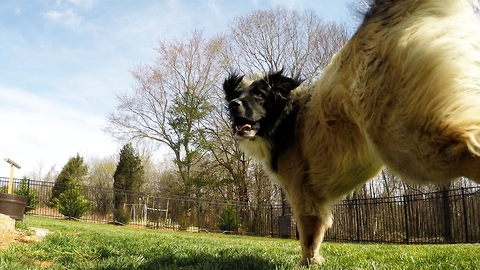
x=403, y=92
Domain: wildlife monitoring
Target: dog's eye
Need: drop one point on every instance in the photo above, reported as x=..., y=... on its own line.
x=258, y=94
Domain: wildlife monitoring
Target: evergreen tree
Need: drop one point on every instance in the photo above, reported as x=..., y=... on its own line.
x=71, y=203
x=29, y=192
x=128, y=177
x=72, y=174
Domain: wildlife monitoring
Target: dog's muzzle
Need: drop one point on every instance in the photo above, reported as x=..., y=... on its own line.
x=243, y=127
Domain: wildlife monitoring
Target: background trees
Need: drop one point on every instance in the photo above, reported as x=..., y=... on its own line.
x=128, y=177
x=31, y=194
x=272, y=39
x=66, y=193
x=73, y=172
x=178, y=102
x=258, y=43
x=170, y=103
x=71, y=203
x=101, y=178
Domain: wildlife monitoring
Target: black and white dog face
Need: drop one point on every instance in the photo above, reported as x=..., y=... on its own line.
x=255, y=107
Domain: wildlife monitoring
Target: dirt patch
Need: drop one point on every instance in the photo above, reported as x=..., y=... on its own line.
x=9, y=234
x=7, y=230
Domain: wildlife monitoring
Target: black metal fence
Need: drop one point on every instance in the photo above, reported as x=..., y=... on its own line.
x=155, y=211
x=439, y=217
x=451, y=216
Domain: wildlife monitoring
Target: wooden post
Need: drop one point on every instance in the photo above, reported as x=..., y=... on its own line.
x=10, y=183
x=13, y=164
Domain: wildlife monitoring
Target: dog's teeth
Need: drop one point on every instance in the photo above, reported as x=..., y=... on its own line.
x=244, y=128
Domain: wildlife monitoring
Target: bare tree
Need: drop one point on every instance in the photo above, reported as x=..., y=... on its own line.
x=39, y=174
x=260, y=42
x=178, y=102
x=280, y=38
x=101, y=172
x=100, y=179
x=224, y=151
x=170, y=102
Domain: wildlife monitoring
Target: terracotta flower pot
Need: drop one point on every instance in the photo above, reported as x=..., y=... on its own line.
x=13, y=205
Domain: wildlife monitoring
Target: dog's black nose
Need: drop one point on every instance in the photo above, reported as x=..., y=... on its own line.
x=234, y=104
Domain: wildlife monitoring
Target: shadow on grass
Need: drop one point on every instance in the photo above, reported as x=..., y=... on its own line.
x=210, y=262
x=196, y=261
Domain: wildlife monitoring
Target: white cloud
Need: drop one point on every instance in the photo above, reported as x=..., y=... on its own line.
x=172, y=4
x=68, y=17
x=83, y=3
x=212, y=4
x=291, y=4
x=36, y=128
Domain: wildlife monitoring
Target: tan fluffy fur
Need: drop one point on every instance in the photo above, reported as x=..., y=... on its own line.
x=403, y=92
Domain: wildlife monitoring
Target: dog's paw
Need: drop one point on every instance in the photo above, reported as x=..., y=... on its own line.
x=307, y=262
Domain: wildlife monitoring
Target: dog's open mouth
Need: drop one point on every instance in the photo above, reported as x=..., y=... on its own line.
x=245, y=128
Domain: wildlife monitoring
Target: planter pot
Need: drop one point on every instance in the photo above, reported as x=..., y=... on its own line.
x=13, y=205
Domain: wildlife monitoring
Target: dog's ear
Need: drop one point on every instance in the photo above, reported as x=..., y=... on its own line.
x=282, y=84
x=230, y=84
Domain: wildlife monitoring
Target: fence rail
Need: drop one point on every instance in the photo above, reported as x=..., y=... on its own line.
x=451, y=216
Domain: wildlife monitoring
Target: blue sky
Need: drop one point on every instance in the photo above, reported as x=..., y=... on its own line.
x=63, y=61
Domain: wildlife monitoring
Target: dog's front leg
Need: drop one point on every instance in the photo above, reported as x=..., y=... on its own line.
x=312, y=230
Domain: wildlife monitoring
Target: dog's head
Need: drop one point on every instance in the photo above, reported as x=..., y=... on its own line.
x=255, y=106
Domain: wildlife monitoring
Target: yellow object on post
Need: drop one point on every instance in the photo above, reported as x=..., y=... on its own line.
x=13, y=164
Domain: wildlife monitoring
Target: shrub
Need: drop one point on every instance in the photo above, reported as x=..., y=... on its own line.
x=30, y=193
x=71, y=203
x=72, y=173
x=121, y=216
x=228, y=219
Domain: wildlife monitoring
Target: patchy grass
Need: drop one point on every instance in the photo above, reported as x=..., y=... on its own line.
x=80, y=245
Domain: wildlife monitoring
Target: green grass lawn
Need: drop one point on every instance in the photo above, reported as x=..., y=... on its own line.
x=80, y=245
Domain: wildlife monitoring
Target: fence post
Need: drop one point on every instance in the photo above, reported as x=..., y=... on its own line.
x=28, y=193
x=357, y=217
x=465, y=217
x=236, y=216
x=70, y=201
x=198, y=213
x=405, y=207
x=271, y=220
x=157, y=213
x=114, y=201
